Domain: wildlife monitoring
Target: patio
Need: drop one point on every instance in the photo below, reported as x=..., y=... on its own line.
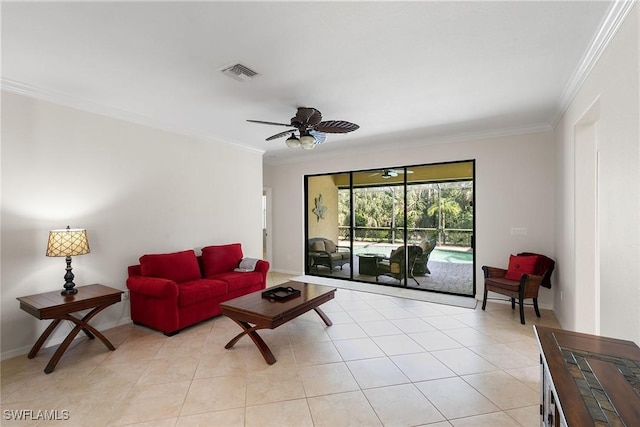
x=451, y=269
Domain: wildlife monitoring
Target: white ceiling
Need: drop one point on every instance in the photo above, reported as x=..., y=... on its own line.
x=406, y=72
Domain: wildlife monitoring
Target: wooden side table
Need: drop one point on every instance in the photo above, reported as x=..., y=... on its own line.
x=52, y=305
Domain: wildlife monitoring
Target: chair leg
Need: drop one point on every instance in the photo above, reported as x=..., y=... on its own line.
x=521, y=311
x=484, y=300
x=513, y=303
x=535, y=306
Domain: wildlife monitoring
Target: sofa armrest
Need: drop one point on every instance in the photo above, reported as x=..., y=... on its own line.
x=262, y=266
x=153, y=286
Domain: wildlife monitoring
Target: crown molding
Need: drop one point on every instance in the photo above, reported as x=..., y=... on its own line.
x=115, y=113
x=610, y=26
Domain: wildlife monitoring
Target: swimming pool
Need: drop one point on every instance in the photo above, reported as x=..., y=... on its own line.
x=438, y=254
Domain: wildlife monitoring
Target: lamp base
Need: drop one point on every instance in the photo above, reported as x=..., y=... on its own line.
x=71, y=291
x=68, y=280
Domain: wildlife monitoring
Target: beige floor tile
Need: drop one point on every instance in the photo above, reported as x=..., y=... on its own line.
x=402, y=405
x=422, y=367
x=497, y=419
x=358, y=348
x=273, y=386
x=327, y=379
x=377, y=328
x=424, y=310
x=529, y=375
x=393, y=345
x=350, y=305
x=306, y=332
x=343, y=409
x=221, y=365
x=396, y=313
x=463, y=361
x=529, y=416
x=152, y=402
x=503, y=389
x=444, y=322
x=226, y=418
x=454, y=398
x=338, y=317
x=469, y=336
x=254, y=360
x=161, y=371
x=503, y=356
x=378, y=372
x=412, y=325
x=292, y=413
x=316, y=353
x=166, y=422
x=434, y=340
x=212, y=394
x=367, y=315
x=345, y=331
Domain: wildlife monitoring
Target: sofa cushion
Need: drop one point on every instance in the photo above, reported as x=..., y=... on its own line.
x=221, y=258
x=196, y=291
x=317, y=246
x=329, y=246
x=177, y=266
x=240, y=280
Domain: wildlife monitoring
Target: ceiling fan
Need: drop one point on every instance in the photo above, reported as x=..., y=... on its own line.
x=311, y=129
x=389, y=173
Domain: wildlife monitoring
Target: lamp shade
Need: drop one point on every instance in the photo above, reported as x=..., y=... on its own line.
x=68, y=242
x=293, y=142
x=308, y=142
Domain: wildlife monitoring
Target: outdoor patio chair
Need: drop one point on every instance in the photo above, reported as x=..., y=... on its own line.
x=526, y=273
x=394, y=266
x=421, y=268
x=325, y=252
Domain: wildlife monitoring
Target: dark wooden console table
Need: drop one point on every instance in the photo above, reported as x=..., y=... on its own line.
x=52, y=305
x=588, y=380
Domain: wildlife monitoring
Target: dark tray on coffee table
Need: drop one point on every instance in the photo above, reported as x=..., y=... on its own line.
x=280, y=293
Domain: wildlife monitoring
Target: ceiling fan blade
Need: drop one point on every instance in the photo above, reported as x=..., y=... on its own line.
x=279, y=135
x=270, y=123
x=320, y=137
x=308, y=116
x=336, y=126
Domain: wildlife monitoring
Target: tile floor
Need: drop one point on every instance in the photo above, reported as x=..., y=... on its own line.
x=386, y=361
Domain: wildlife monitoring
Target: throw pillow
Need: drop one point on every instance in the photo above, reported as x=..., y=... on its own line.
x=178, y=266
x=519, y=265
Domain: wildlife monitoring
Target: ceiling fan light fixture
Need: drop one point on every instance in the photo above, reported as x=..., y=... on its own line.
x=293, y=142
x=308, y=142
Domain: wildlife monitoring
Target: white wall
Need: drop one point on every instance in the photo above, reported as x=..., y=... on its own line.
x=613, y=87
x=136, y=190
x=514, y=188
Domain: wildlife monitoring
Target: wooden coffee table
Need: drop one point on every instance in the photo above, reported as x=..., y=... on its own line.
x=262, y=313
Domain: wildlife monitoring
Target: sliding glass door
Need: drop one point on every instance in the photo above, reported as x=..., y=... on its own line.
x=409, y=226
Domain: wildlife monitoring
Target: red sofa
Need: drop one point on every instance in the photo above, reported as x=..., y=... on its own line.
x=171, y=291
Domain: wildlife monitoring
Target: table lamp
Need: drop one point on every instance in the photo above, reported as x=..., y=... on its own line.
x=67, y=243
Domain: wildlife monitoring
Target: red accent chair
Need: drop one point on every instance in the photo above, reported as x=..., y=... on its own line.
x=519, y=283
x=169, y=292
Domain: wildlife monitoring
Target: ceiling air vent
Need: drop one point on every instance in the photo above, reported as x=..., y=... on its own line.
x=239, y=72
